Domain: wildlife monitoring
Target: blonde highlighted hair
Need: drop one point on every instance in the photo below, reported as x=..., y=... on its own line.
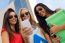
x=32, y=21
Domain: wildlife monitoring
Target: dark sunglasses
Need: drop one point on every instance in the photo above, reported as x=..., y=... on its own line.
x=10, y=17
x=27, y=13
x=40, y=9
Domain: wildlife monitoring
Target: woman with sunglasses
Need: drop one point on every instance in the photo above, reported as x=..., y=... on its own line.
x=10, y=29
x=24, y=14
x=42, y=12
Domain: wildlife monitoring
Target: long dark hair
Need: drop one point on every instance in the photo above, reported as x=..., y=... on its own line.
x=6, y=23
x=41, y=19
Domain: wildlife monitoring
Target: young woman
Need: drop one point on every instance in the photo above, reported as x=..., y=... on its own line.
x=42, y=12
x=26, y=15
x=10, y=29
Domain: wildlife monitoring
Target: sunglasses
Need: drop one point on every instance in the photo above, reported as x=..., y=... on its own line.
x=10, y=17
x=40, y=9
x=27, y=13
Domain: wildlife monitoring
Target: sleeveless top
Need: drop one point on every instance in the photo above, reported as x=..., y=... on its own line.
x=16, y=38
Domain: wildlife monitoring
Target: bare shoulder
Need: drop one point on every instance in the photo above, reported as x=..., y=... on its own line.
x=4, y=33
x=5, y=37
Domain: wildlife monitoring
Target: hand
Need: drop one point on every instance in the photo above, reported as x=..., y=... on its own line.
x=55, y=29
x=57, y=9
x=26, y=32
x=56, y=40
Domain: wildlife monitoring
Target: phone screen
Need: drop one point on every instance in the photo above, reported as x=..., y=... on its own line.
x=26, y=23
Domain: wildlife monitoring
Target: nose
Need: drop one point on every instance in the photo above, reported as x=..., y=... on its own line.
x=25, y=15
x=40, y=12
x=14, y=17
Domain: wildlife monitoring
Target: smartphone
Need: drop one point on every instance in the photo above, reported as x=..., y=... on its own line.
x=26, y=23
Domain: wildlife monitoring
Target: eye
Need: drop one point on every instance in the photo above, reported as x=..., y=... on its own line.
x=40, y=9
x=10, y=17
x=22, y=15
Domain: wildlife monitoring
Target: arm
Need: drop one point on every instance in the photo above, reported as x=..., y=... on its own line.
x=62, y=27
x=26, y=32
x=5, y=38
x=48, y=38
x=26, y=40
x=55, y=28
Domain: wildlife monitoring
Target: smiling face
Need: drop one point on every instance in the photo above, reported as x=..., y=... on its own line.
x=12, y=18
x=24, y=14
x=41, y=11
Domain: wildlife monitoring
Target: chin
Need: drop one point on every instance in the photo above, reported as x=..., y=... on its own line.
x=14, y=23
x=43, y=15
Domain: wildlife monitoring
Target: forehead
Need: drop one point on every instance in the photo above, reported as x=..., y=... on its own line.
x=23, y=11
x=39, y=7
x=12, y=13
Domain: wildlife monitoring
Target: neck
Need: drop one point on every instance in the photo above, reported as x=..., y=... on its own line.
x=13, y=27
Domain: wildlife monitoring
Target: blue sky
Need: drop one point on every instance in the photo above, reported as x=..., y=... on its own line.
x=18, y=4
x=4, y=3
x=53, y=4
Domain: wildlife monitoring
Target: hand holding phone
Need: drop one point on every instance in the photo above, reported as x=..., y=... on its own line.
x=26, y=23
